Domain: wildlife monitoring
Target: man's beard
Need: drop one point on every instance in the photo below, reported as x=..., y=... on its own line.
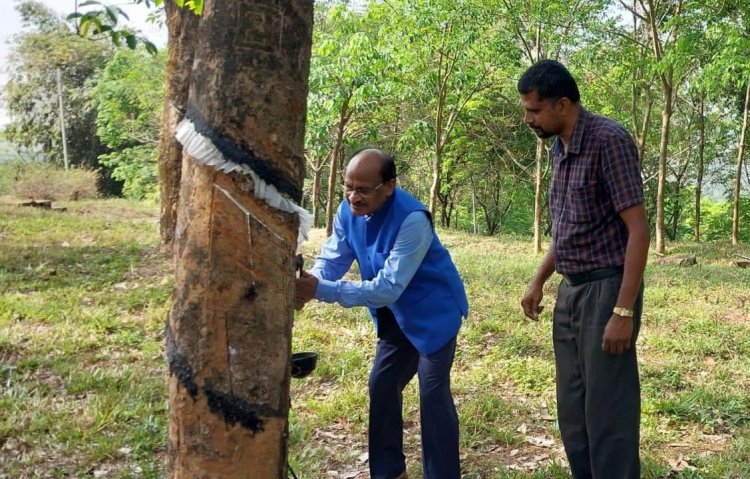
x=542, y=133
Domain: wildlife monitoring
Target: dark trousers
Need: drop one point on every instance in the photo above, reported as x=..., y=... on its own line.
x=396, y=363
x=598, y=394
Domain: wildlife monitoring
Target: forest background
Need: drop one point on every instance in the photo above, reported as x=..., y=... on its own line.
x=434, y=83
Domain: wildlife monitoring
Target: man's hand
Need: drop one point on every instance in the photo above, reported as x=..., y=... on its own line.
x=531, y=300
x=305, y=287
x=617, y=335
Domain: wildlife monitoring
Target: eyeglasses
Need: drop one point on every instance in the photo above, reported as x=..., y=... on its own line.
x=363, y=191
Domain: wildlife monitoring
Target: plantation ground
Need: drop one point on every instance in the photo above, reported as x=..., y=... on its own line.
x=84, y=295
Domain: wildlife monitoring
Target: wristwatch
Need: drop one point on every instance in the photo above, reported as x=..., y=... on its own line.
x=624, y=312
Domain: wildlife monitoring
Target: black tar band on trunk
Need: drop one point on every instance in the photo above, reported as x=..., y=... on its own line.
x=231, y=408
x=237, y=154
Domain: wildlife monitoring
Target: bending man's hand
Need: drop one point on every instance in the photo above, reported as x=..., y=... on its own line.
x=304, y=287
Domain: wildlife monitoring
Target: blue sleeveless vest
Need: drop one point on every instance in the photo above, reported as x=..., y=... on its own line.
x=430, y=309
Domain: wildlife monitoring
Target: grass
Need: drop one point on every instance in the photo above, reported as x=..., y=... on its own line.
x=84, y=295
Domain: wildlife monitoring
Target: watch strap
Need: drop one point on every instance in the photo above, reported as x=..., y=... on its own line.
x=624, y=312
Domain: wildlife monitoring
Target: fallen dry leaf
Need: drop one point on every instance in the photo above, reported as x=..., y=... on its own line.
x=540, y=441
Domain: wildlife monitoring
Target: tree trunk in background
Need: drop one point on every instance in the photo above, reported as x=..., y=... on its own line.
x=229, y=330
x=668, y=88
x=666, y=117
x=738, y=179
x=700, y=167
x=538, y=206
x=640, y=131
x=182, y=25
x=333, y=175
x=315, y=196
x=337, y=162
x=643, y=132
x=435, y=185
x=475, y=227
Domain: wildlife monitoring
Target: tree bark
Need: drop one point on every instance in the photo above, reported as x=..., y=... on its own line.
x=700, y=167
x=666, y=118
x=436, y=167
x=667, y=80
x=229, y=329
x=738, y=179
x=317, y=169
x=337, y=163
x=182, y=26
x=640, y=131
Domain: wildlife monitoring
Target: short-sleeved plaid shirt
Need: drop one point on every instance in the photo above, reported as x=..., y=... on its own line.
x=593, y=181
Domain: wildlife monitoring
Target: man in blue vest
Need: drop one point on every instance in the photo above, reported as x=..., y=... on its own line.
x=416, y=299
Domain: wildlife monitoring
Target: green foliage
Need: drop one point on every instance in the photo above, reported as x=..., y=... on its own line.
x=718, y=220
x=439, y=82
x=31, y=92
x=101, y=20
x=348, y=77
x=129, y=97
x=194, y=5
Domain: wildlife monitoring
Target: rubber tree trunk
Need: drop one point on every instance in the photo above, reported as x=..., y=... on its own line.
x=666, y=118
x=229, y=329
x=700, y=167
x=337, y=164
x=182, y=26
x=738, y=177
x=315, y=195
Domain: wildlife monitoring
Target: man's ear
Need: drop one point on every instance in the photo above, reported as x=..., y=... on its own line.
x=564, y=104
x=391, y=185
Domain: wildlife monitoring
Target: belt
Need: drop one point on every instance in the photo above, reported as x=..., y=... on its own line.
x=575, y=279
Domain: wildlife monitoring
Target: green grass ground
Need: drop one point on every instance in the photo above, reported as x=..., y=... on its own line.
x=84, y=296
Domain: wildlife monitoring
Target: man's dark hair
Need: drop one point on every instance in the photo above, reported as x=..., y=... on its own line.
x=387, y=169
x=551, y=80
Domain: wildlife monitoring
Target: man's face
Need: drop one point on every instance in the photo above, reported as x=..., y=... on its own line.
x=363, y=186
x=542, y=116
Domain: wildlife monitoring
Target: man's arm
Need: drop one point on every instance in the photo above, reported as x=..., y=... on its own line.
x=619, y=330
x=335, y=259
x=411, y=245
x=534, y=293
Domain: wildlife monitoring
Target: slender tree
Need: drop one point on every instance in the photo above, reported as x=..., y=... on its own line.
x=738, y=172
x=700, y=167
x=653, y=14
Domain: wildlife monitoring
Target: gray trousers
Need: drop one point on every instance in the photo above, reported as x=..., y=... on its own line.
x=598, y=394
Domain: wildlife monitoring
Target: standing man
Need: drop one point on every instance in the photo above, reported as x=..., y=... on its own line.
x=599, y=245
x=417, y=301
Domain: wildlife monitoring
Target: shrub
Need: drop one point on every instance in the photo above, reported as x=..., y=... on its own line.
x=47, y=182
x=8, y=173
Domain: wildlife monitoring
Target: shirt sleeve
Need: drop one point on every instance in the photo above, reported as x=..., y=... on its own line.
x=621, y=171
x=412, y=243
x=336, y=257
